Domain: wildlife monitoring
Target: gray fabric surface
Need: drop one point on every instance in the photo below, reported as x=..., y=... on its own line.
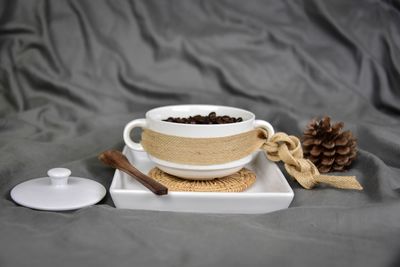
x=72, y=73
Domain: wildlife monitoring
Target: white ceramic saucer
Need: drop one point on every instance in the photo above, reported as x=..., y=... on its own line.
x=58, y=192
x=269, y=193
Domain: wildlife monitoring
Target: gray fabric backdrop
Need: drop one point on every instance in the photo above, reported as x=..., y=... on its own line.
x=72, y=73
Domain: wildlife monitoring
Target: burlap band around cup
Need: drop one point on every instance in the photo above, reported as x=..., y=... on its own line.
x=202, y=151
x=208, y=151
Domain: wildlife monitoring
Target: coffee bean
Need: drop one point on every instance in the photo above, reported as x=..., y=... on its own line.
x=211, y=118
x=219, y=120
x=226, y=119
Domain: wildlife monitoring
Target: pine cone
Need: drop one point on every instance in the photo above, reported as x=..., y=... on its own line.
x=327, y=147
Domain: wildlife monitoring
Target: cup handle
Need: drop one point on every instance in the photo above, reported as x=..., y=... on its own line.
x=127, y=131
x=266, y=126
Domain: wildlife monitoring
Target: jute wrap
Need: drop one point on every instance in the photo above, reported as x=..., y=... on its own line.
x=208, y=151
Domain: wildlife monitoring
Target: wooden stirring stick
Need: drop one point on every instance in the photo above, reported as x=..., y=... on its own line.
x=118, y=161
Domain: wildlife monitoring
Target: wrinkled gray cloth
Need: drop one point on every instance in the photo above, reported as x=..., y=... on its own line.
x=73, y=73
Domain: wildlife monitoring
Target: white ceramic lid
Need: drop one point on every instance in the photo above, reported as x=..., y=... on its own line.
x=58, y=192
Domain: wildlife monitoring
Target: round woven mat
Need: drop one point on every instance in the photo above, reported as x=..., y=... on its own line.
x=236, y=182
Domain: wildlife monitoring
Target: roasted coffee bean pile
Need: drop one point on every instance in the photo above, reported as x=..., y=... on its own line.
x=212, y=118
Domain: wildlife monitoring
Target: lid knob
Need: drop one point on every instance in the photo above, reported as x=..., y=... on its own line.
x=59, y=176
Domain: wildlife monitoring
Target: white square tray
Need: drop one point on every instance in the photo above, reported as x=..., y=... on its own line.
x=269, y=193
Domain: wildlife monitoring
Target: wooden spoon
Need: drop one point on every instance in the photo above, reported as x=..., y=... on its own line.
x=117, y=160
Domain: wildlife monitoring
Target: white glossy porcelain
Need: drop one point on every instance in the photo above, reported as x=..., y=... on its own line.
x=154, y=121
x=269, y=193
x=58, y=192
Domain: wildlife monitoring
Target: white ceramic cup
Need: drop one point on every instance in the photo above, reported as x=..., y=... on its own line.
x=154, y=121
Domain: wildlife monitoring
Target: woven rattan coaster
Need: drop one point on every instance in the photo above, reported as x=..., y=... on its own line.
x=236, y=182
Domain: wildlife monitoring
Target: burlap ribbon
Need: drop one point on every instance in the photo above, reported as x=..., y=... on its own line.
x=206, y=151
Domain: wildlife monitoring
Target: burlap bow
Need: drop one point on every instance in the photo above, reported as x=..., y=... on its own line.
x=288, y=149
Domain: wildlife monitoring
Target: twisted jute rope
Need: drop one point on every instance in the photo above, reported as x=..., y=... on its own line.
x=206, y=151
